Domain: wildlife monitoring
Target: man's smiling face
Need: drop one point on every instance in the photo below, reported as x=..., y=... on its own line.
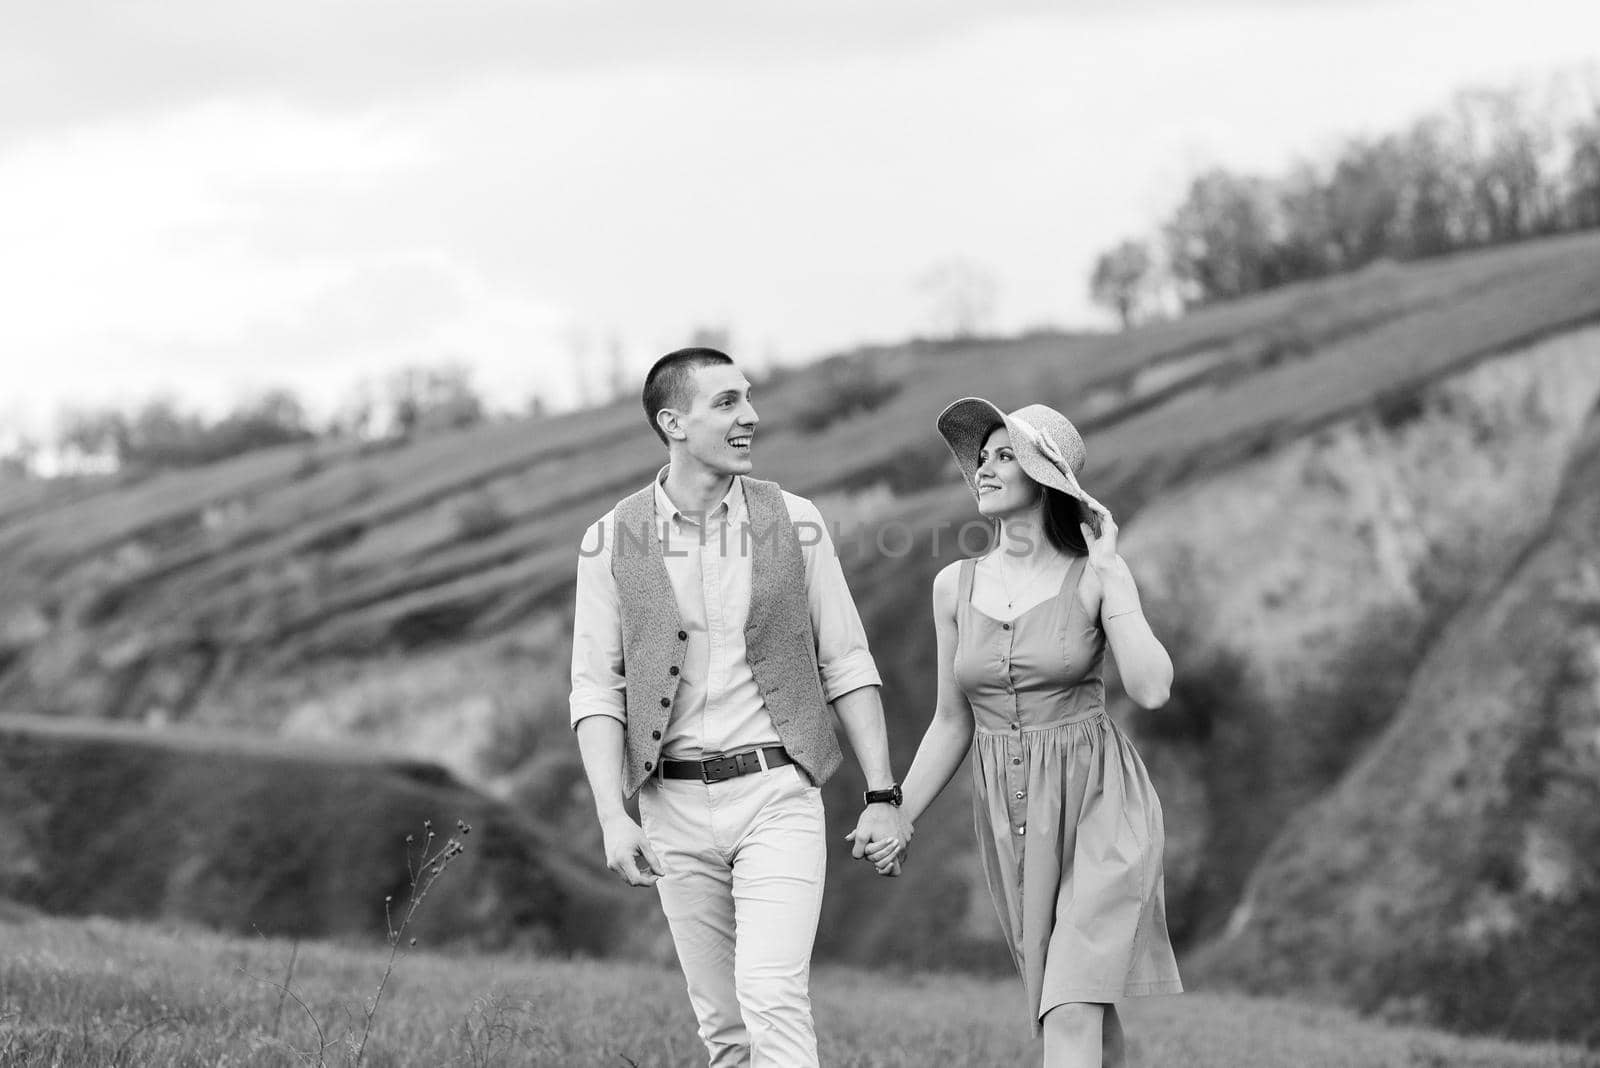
x=719, y=423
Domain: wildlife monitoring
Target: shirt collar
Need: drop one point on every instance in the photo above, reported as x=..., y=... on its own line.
x=729, y=509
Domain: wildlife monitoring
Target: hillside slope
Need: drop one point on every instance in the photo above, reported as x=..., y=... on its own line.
x=253, y=835
x=1309, y=481
x=1457, y=864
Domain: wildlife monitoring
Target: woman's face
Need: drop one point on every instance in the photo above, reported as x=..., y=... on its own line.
x=1003, y=487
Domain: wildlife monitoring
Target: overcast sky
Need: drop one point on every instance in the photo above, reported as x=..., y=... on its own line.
x=204, y=198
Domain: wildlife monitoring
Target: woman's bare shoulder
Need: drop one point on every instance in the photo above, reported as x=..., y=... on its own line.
x=945, y=585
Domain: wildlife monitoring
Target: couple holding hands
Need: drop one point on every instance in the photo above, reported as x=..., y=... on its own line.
x=712, y=631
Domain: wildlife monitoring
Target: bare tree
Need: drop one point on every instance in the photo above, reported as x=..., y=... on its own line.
x=1223, y=240
x=102, y=434
x=1122, y=280
x=433, y=398
x=1504, y=145
x=1583, y=175
x=17, y=458
x=717, y=336
x=962, y=296
x=619, y=381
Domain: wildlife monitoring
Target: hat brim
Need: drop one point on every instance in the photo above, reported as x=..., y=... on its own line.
x=967, y=423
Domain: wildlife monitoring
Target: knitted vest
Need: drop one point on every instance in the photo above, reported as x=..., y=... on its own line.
x=781, y=647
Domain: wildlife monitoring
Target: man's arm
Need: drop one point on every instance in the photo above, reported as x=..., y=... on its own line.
x=849, y=676
x=599, y=706
x=600, y=743
x=861, y=714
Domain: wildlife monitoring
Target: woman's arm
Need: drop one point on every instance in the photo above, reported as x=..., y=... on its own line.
x=949, y=735
x=1142, y=660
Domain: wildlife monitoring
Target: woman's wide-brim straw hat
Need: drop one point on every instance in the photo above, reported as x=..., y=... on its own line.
x=1048, y=447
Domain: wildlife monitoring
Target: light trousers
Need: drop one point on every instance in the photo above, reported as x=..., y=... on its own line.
x=742, y=892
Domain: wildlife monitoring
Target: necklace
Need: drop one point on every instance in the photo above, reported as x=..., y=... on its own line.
x=1031, y=577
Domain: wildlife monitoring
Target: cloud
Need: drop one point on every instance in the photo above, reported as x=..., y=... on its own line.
x=73, y=61
x=212, y=195
x=76, y=60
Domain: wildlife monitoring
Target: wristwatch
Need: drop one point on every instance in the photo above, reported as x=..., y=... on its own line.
x=877, y=797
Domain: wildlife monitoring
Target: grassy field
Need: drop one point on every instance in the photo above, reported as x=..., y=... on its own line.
x=98, y=992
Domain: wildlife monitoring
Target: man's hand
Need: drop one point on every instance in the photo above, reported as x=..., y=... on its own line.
x=626, y=845
x=883, y=837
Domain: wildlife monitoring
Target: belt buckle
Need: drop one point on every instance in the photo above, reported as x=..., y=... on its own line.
x=718, y=769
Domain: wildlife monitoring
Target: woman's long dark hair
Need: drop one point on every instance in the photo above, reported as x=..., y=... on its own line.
x=1062, y=514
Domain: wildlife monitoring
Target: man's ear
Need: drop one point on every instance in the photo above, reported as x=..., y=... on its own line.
x=670, y=420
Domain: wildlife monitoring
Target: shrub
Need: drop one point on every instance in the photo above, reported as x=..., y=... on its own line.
x=841, y=388
x=480, y=515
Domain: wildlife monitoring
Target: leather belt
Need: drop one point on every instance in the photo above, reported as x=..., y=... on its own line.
x=719, y=768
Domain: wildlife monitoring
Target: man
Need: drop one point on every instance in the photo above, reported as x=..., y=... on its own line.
x=713, y=627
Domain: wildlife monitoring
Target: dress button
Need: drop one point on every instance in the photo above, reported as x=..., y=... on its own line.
x=683, y=635
x=1015, y=726
x=1005, y=626
x=666, y=702
x=649, y=765
x=1019, y=795
x=1016, y=760
x=655, y=735
x=672, y=671
x=1022, y=830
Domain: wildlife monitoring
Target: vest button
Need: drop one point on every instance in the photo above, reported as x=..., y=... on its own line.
x=656, y=735
x=672, y=671
x=683, y=635
x=666, y=702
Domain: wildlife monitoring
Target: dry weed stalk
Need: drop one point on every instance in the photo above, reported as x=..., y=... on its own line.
x=424, y=871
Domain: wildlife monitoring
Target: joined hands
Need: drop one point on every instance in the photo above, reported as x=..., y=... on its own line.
x=882, y=837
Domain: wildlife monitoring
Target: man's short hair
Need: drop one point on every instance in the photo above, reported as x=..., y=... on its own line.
x=671, y=378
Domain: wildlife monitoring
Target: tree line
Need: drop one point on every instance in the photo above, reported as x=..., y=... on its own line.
x=1494, y=166
x=160, y=434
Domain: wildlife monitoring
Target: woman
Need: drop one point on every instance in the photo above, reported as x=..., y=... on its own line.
x=1068, y=823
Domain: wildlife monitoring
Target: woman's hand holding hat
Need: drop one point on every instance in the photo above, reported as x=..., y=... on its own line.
x=1100, y=536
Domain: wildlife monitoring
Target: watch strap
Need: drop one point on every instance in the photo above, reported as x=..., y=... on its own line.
x=890, y=796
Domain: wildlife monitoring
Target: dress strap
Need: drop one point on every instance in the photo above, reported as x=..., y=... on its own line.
x=1069, y=581
x=1069, y=586
x=964, y=588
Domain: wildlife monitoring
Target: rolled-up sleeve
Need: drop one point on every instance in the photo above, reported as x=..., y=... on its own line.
x=844, y=661
x=598, y=685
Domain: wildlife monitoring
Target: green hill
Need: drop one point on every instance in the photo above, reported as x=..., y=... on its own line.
x=252, y=834
x=1312, y=484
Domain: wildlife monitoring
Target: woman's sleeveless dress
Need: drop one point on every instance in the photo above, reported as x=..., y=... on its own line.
x=1069, y=827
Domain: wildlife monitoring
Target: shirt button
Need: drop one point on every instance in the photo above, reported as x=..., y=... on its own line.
x=648, y=765
x=683, y=635
x=655, y=735
x=1016, y=760
x=1019, y=795
x=672, y=671
x=1010, y=688
x=1005, y=626
x=1015, y=726
x=666, y=702
x=1020, y=830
